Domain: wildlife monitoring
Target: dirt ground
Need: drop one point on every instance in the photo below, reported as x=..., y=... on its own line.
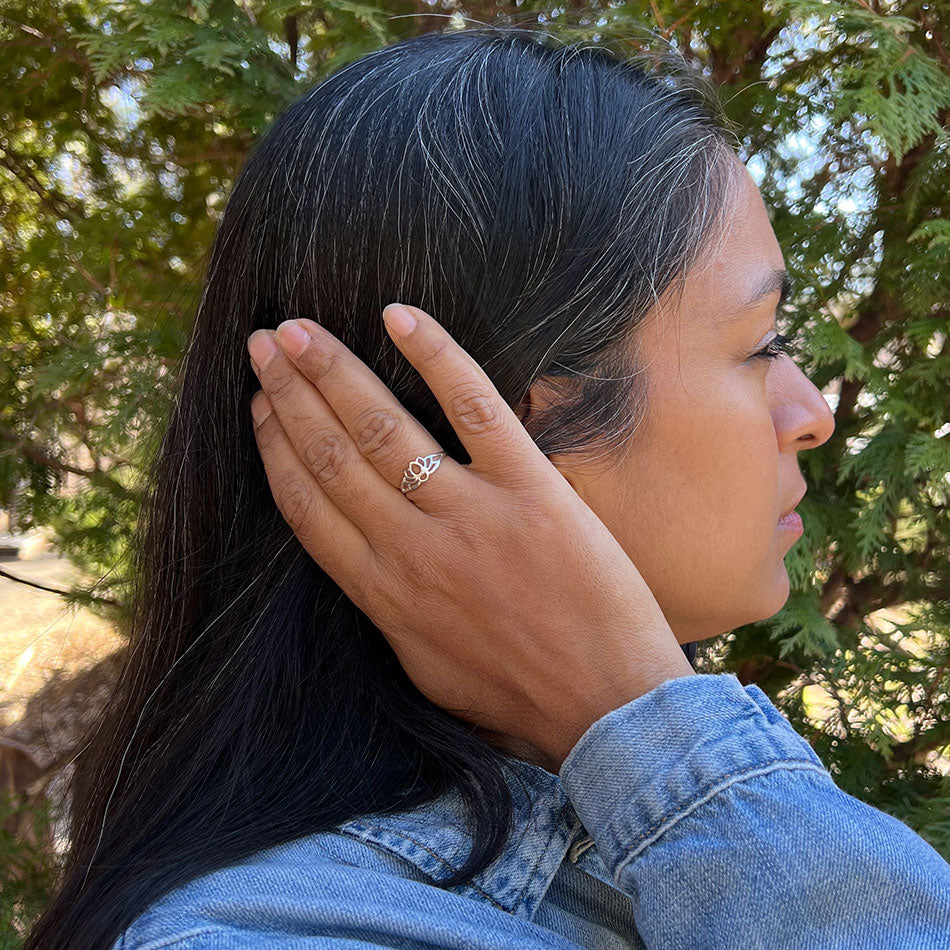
x=57, y=662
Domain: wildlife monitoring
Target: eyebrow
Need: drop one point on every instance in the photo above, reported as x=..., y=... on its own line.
x=773, y=280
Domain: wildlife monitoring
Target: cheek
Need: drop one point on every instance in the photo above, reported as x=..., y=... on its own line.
x=697, y=504
x=715, y=460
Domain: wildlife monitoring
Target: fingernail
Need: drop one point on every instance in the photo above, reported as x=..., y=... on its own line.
x=292, y=337
x=261, y=408
x=399, y=319
x=261, y=347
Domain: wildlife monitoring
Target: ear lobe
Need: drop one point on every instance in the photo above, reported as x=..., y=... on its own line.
x=542, y=394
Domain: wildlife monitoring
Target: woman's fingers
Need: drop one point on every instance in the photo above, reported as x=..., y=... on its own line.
x=324, y=447
x=327, y=534
x=483, y=619
x=387, y=436
x=486, y=425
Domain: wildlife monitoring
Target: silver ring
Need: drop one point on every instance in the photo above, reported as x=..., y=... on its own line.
x=419, y=470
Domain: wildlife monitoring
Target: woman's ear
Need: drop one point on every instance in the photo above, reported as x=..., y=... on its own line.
x=544, y=394
x=541, y=396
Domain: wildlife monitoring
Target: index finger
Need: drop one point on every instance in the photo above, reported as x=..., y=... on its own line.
x=486, y=425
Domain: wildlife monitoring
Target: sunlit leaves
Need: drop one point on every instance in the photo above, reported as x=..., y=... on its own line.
x=124, y=124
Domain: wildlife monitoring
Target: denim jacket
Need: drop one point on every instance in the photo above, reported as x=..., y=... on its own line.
x=692, y=817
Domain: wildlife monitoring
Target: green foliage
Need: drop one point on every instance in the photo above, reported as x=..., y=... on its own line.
x=887, y=82
x=28, y=866
x=124, y=125
x=802, y=627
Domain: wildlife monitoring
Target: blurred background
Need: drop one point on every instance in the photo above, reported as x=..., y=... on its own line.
x=122, y=126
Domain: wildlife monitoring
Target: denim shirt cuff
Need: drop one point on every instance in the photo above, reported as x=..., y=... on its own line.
x=641, y=767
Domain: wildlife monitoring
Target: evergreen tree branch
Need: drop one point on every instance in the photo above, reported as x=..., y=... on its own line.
x=935, y=37
x=880, y=308
x=19, y=167
x=865, y=596
x=55, y=590
x=38, y=455
x=37, y=38
x=936, y=737
x=832, y=590
x=293, y=37
x=938, y=679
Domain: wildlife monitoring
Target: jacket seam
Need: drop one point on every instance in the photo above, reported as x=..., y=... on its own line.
x=652, y=834
x=534, y=870
x=518, y=899
x=178, y=941
x=428, y=850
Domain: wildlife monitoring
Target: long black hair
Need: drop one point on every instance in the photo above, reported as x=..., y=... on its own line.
x=536, y=197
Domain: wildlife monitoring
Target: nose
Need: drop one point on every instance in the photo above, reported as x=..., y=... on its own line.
x=802, y=417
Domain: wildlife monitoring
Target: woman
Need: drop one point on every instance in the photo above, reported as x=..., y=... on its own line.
x=372, y=702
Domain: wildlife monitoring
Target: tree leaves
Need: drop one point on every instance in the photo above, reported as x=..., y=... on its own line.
x=124, y=125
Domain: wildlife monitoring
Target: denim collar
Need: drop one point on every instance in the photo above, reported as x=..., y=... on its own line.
x=434, y=838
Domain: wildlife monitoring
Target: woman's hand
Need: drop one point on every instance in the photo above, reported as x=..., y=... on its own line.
x=505, y=598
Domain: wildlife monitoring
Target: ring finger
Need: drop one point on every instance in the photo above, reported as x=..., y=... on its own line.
x=323, y=445
x=385, y=434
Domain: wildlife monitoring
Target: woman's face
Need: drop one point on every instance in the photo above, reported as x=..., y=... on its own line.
x=696, y=500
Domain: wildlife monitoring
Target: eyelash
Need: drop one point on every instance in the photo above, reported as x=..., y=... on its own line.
x=776, y=347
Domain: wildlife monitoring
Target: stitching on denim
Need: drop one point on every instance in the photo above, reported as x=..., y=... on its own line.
x=657, y=830
x=448, y=864
x=524, y=890
x=542, y=852
x=428, y=850
x=178, y=941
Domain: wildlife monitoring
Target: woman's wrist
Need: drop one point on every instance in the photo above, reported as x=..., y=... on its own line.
x=568, y=723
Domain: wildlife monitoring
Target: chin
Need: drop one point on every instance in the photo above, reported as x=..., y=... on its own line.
x=705, y=627
x=782, y=590
x=713, y=612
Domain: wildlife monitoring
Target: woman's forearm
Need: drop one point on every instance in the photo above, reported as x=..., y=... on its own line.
x=725, y=829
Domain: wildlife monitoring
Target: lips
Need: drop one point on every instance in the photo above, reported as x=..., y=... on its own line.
x=792, y=520
x=791, y=510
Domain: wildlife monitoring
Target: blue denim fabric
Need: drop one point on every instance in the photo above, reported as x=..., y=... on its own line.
x=691, y=817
